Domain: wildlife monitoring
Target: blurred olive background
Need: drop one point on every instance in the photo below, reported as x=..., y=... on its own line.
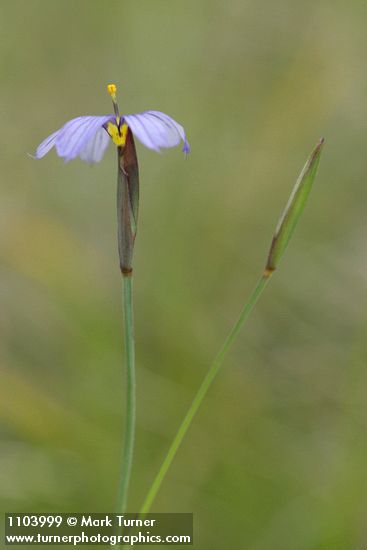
x=276, y=458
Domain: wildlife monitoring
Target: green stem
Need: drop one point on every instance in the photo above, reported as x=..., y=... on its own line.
x=127, y=456
x=205, y=385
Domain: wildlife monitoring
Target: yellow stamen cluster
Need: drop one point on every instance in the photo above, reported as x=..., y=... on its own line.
x=118, y=135
x=117, y=132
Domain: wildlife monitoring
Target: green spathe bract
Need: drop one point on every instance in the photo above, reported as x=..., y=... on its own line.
x=283, y=233
x=127, y=202
x=294, y=208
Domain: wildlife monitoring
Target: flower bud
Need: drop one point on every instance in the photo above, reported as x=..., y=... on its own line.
x=293, y=210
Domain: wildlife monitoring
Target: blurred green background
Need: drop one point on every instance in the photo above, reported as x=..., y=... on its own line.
x=276, y=459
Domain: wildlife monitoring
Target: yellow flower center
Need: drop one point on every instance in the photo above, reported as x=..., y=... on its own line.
x=118, y=135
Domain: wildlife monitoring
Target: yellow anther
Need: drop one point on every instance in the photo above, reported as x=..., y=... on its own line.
x=118, y=135
x=123, y=131
x=112, y=88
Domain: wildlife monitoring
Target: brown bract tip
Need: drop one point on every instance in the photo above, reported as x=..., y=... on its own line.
x=126, y=271
x=268, y=272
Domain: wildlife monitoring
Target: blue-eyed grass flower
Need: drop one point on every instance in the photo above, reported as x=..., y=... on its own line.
x=88, y=137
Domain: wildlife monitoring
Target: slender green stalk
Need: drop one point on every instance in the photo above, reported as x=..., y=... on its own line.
x=205, y=385
x=127, y=456
x=283, y=233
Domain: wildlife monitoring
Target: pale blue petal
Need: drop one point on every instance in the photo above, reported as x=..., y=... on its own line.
x=96, y=147
x=156, y=130
x=75, y=135
x=46, y=146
